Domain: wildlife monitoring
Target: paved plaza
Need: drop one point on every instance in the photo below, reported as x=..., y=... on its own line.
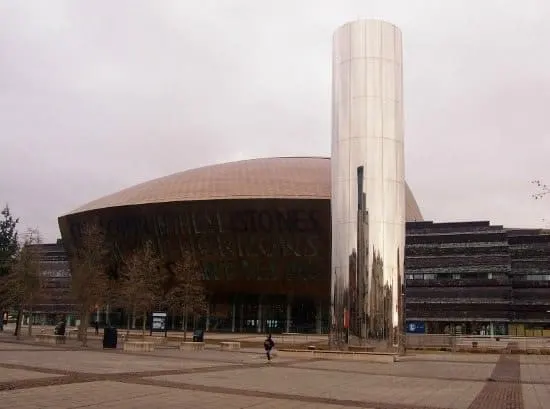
x=43, y=377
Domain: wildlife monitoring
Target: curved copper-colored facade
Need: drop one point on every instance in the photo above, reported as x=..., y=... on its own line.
x=265, y=178
x=260, y=230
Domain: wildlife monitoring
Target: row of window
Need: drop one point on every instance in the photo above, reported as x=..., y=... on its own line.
x=535, y=277
x=454, y=276
x=488, y=276
x=56, y=273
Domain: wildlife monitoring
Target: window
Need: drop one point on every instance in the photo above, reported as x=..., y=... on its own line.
x=537, y=277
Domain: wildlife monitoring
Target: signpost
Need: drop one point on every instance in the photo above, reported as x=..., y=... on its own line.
x=158, y=323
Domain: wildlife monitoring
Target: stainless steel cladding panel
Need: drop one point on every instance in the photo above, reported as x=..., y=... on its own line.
x=368, y=185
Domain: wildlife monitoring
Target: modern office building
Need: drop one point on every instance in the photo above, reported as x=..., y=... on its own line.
x=56, y=298
x=530, y=282
x=475, y=278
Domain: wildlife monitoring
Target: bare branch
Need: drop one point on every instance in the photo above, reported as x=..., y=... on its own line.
x=187, y=291
x=89, y=281
x=21, y=287
x=542, y=189
x=141, y=286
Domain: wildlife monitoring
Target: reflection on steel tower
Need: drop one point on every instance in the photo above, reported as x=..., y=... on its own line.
x=368, y=185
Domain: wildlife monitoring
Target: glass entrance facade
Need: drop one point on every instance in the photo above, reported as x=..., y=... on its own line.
x=244, y=313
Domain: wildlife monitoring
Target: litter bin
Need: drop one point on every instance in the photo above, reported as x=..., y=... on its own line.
x=110, y=337
x=198, y=335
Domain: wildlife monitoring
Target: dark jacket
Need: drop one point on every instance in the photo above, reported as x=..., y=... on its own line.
x=268, y=344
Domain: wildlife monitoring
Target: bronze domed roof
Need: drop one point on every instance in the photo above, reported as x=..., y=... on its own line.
x=266, y=178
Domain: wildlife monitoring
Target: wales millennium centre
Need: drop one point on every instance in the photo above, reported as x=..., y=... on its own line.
x=335, y=245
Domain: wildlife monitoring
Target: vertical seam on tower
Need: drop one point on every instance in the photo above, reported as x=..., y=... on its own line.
x=350, y=112
x=364, y=95
x=380, y=69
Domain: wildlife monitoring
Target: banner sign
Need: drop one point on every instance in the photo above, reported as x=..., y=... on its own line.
x=158, y=322
x=416, y=327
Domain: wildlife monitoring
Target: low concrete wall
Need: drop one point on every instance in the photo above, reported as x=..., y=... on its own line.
x=192, y=346
x=482, y=345
x=138, y=346
x=354, y=348
x=430, y=341
x=380, y=357
x=230, y=346
x=50, y=339
x=157, y=340
x=479, y=343
x=71, y=333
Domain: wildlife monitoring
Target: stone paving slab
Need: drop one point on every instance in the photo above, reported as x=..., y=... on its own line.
x=536, y=396
x=114, y=395
x=533, y=373
x=503, y=390
x=10, y=346
x=535, y=359
x=450, y=357
x=333, y=385
x=94, y=362
x=436, y=370
x=31, y=377
x=9, y=374
x=243, y=356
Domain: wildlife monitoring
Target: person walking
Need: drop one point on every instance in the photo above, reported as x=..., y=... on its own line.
x=96, y=326
x=268, y=346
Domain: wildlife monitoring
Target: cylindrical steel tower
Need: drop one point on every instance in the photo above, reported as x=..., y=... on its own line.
x=368, y=185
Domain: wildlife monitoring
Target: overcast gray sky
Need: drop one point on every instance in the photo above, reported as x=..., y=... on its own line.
x=99, y=95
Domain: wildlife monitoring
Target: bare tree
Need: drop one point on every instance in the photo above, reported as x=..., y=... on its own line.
x=89, y=281
x=187, y=291
x=22, y=285
x=542, y=189
x=141, y=287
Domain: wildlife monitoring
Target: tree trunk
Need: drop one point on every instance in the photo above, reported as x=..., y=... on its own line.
x=107, y=316
x=207, y=318
x=144, y=324
x=29, y=328
x=134, y=318
x=184, y=325
x=83, y=327
x=17, y=332
x=128, y=321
